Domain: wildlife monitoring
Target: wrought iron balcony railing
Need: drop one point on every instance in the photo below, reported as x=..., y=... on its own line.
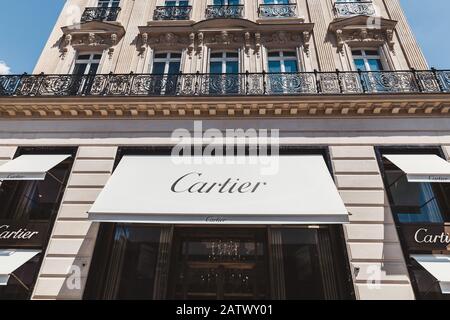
x=225, y=11
x=346, y=9
x=242, y=84
x=100, y=14
x=172, y=13
x=277, y=10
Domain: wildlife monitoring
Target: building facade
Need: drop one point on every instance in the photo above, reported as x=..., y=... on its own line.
x=359, y=210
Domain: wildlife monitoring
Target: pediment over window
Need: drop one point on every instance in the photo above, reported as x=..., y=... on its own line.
x=92, y=35
x=363, y=29
x=232, y=33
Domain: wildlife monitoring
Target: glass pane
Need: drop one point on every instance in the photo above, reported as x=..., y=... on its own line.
x=360, y=65
x=220, y=264
x=93, y=68
x=232, y=55
x=233, y=2
x=273, y=54
x=303, y=279
x=413, y=202
x=160, y=55
x=33, y=200
x=216, y=54
x=159, y=67
x=97, y=56
x=232, y=67
x=372, y=52
x=357, y=52
x=274, y=66
x=219, y=2
x=170, y=3
x=174, y=68
x=289, y=54
x=175, y=55
x=80, y=68
x=375, y=65
x=132, y=271
x=215, y=67
x=290, y=66
x=184, y=3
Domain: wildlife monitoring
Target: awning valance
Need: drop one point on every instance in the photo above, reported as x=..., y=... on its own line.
x=422, y=167
x=220, y=190
x=30, y=166
x=13, y=259
x=438, y=266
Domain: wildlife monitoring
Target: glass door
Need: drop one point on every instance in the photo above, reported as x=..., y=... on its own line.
x=220, y=264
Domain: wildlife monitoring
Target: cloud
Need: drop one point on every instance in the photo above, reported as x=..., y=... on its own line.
x=4, y=68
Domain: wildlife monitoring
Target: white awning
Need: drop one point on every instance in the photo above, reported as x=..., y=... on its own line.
x=30, y=166
x=13, y=259
x=438, y=266
x=422, y=167
x=220, y=190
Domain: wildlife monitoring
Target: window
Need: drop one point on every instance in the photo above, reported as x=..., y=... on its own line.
x=224, y=62
x=415, y=202
x=367, y=60
x=283, y=69
x=276, y=1
x=226, y=2
x=176, y=3
x=87, y=63
x=224, y=69
x=108, y=3
x=35, y=200
x=165, y=70
x=283, y=62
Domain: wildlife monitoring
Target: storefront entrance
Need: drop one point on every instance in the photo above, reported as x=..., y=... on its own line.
x=223, y=265
x=138, y=261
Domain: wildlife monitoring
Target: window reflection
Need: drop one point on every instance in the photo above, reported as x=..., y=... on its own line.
x=34, y=200
x=416, y=202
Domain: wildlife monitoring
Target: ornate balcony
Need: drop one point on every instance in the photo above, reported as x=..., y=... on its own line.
x=100, y=14
x=348, y=9
x=277, y=10
x=243, y=84
x=225, y=12
x=172, y=13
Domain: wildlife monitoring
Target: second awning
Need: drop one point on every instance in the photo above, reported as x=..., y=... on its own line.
x=422, y=167
x=215, y=190
x=30, y=166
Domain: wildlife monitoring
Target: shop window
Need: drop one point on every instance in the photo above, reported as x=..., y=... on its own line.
x=35, y=200
x=415, y=202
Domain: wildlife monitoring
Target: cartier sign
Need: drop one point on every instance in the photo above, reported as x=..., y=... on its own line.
x=426, y=237
x=18, y=234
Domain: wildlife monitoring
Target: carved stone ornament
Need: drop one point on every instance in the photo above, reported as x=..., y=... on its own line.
x=362, y=30
x=91, y=36
x=286, y=39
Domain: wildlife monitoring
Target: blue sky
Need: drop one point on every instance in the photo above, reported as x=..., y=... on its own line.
x=20, y=46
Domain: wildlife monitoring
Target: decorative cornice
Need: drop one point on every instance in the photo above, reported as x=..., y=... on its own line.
x=276, y=106
x=363, y=30
x=92, y=35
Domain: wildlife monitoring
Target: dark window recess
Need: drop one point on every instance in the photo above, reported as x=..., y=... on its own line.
x=131, y=271
x=35, y=200
x=415, y=202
